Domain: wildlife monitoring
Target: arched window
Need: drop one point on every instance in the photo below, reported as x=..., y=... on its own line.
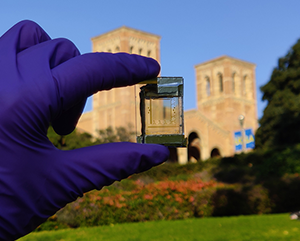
x=207, y=81
x=233, y=82
x=215, y=153
x=140, y=51
x=220, y=77
x=117, y=49
x=131, y=50
x=244, y=84
x=149, y=53
x=194, y=152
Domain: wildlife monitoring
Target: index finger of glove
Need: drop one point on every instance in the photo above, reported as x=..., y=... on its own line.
x=21, y=36
x=82, y=76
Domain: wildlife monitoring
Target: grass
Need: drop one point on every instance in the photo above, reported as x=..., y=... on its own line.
x=242, y=228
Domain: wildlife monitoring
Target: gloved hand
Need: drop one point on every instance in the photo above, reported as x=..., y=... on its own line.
x=46, y=81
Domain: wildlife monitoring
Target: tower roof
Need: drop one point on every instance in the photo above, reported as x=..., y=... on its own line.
x=124, y=29
x=223, y=58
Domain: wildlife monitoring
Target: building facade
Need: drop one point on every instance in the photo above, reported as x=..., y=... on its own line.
x=119, y=106
x=225, y=89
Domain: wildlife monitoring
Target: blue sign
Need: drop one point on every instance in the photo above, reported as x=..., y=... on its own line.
x=238, y=141
x=249, y=140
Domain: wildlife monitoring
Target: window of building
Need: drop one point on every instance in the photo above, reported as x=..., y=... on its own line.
x=215, y=153
x=117, y=49
x=131, y=50
x=140, y=51
x=220, y=77
x=244, y=84
x=233, y=82
x=194, y=152
x=149, y=53
x=207, y=85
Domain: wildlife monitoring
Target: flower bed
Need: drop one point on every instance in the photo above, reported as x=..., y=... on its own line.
x=155, y=201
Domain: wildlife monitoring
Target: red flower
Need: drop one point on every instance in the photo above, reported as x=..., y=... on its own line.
x=148, y=197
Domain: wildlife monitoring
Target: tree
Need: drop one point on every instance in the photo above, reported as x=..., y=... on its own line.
x=119, y=134
x=78, y=139
x=72, y=141
x=280, y=124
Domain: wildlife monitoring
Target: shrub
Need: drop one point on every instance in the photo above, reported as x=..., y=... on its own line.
x=155, y=201
x=170, y=170
x=284, y=193
x=263, y=181
x=165, y=200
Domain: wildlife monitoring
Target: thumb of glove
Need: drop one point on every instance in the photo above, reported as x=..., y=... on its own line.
x=60, y=177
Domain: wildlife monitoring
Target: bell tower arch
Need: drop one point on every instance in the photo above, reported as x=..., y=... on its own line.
x=117, y=107
x=226, y=89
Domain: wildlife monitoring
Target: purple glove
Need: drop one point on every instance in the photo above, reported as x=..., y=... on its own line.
x=46, y=81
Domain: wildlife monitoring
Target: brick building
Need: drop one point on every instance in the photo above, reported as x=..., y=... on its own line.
x=225, y=91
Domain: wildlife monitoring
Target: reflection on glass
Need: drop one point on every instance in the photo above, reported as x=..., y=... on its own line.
x=163, y=116
x=161, y=110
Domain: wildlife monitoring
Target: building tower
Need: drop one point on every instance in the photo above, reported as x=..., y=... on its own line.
x=226, y=89
x=117, y=107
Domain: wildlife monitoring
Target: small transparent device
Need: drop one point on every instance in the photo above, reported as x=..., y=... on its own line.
x=161, y=110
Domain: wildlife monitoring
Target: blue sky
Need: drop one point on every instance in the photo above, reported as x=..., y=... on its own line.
x=192, y=31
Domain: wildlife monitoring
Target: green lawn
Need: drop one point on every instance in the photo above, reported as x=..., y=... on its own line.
x=254, y=228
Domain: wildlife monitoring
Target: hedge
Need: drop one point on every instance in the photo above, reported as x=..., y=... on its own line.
x=165, y=200
x=260, y=182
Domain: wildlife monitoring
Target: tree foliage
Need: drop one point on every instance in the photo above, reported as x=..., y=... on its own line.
x=78, y=139
x=72, y=141
x=119, y=134
x=280, y=124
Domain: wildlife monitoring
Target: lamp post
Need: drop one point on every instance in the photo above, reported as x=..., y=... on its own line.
x=242, y=119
